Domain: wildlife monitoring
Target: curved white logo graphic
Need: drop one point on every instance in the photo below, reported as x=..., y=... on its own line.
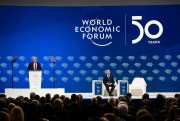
x=100, y=44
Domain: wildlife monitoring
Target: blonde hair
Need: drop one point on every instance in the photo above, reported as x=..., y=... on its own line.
x=17, y=114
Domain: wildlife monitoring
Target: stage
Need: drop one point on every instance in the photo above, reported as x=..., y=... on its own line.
x=9, y=92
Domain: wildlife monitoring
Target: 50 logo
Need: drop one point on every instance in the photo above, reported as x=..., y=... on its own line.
x=135, y=21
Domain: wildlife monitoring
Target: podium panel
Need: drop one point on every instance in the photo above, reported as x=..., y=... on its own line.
x=35, y=78
x=97, y=87
x=123, y=87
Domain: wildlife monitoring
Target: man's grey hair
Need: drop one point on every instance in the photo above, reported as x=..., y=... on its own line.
x=34, y=57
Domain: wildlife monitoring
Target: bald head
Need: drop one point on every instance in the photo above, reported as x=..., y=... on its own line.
x=108, y=72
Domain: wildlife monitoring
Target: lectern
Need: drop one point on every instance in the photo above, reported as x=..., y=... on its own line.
x=35, y=78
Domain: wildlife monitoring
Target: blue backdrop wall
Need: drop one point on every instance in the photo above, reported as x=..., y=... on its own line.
x=88, y=40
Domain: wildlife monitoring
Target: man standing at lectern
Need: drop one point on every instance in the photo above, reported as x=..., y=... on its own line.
x=34, y=66
x=109, y=81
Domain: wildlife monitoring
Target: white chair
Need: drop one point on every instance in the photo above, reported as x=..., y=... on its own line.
x=137, y=87
x=115, y=91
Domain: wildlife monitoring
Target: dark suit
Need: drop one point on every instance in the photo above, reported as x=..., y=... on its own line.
x=106, y=80
x=31, y=67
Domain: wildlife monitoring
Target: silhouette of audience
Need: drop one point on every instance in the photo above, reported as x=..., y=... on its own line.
x=75, y=108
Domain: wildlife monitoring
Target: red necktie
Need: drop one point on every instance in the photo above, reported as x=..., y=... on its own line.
x=35, y=66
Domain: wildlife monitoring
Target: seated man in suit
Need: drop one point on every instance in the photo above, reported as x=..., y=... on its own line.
x=109, y=81
x=34, y=66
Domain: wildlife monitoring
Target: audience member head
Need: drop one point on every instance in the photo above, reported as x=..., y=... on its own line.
x=148, y=105
x=94, y=101
x=122, y=102
x=66, y=101
x=35, y=102
x=147, y=102
x=168, y=102
x=123, y=109
x=176, y=95
x=2, y=95
x=173, y=103
x=62, y=97
x=141, y=112
x=25, y=107
x=58, y=103
x=2, y=103
x=112, y=101
x=129, y=95
x=42, y=100
x=99, y=100
x=145, y=117
x=48, y=97
x=20, y=98
x=37, y=97
x=11, y=106
x=56, y=96
x=16, y=114
x=80, y=98
x=145, y=96
x=26, y=99
x=32, y=94
x=74, y=98
x=122, y=98
x=20, y=101
x=11, y=100
x=110, y=116
x=160, y=100
x=5, y=99
x=4, y=116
